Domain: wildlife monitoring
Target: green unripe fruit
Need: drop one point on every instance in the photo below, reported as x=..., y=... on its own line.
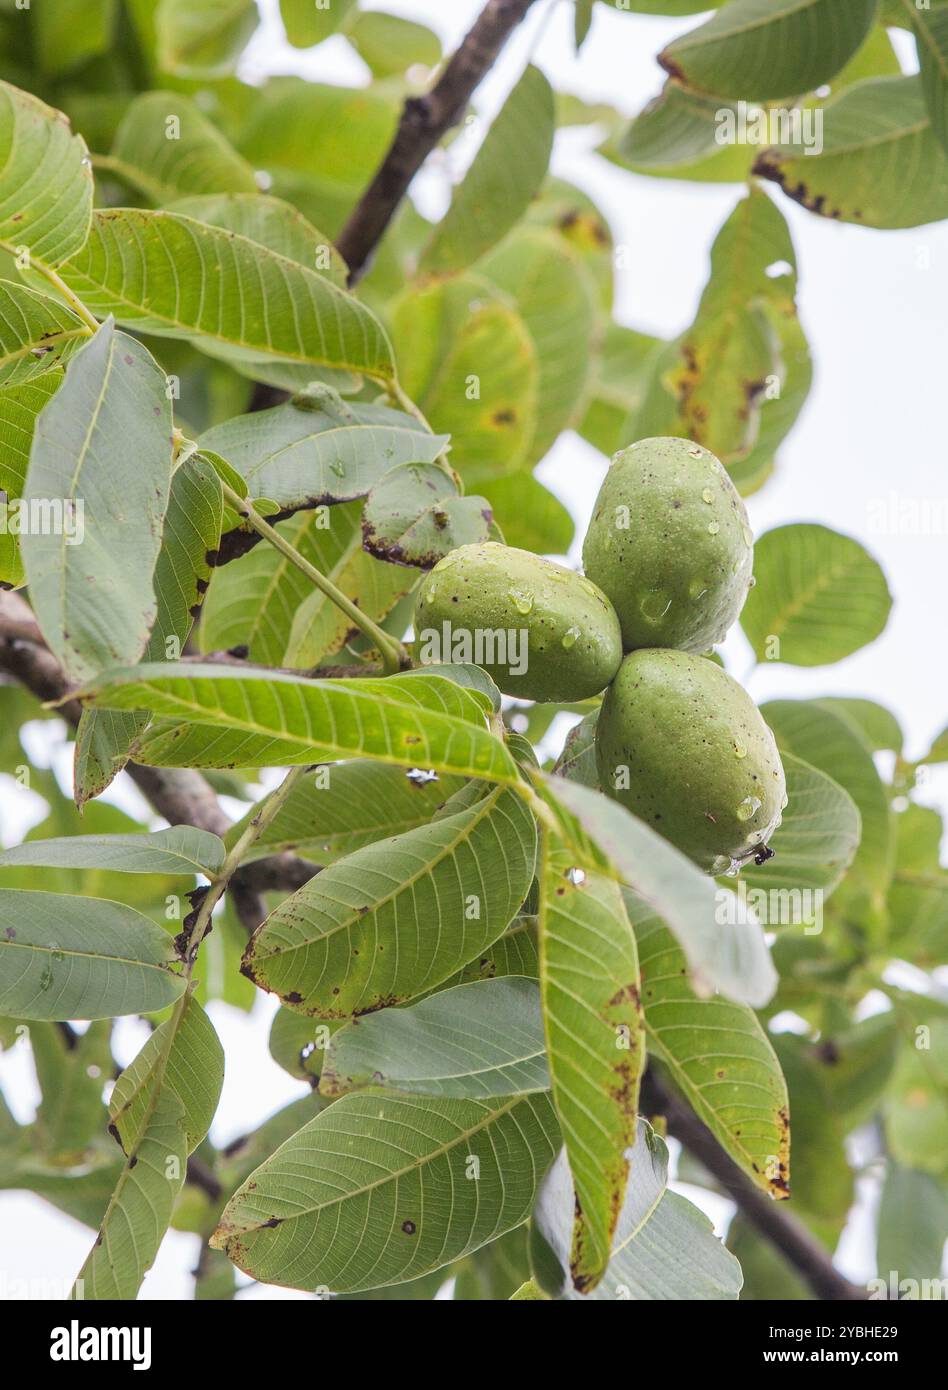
x=541, y=631
x=684, y=747
x=670, y=545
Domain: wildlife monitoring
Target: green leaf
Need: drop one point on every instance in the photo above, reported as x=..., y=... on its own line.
x=765, y=49
x=718, y=1055
x=37, y=334
x=732, y=958
x=395, y=918
x=71, y=1076
x=819, y=596
x=203, y=38
x=414, y=516
x=45, y=179
x=663, y=1249
x=19, y=407
x=467, y=358
x=139, y=1211
x=269, y=606
x=881, y=164
x=931, y=32
x=271, y=222
x=878, y=726
x=180, y=850
x=678, y=135
x=183, y=1056
x=822, y=1178
x=343, y=807
x=308, y=23
x=390, y=45
x=589, y=978
x=166, y=148
x=555, y=295
x=191, y=535
x=916, y=1108
x=155, y=270
x=913, y=1225
x=411, y=720
x=582, y=22
x=474, y=1041
x=502, y=181
x=95, y=601
x=813, y=847
x=822, y=737
x=529, y=515
x=63, y=957
x=378, y=1190
x=618, y=387
x=315, y=452
x=70, y=32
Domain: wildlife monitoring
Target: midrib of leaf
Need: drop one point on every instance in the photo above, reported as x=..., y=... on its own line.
x=80, y=460
x=74, y=953
x=886, y=137
x=422, y=1161
x=334, y=432
x=426, y=870
x=840, y=569
x=25, y=351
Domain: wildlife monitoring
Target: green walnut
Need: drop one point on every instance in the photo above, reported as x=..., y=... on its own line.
x=684, y=747
x=670, y=545
x=541, y=631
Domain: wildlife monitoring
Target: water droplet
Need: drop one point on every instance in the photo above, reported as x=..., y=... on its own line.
x=748, y=535
x=697, y=587
x=753, y=581
x=571, y=636
x=431, y=593
x=338, y=468
x=707, y=495
x=721, y=864
x=740, y=749
x=576, y=876
x=713, y=528
x=46, y=979
x=654, y=605
x=523, y=602
x=785, y=803
x=748, y=808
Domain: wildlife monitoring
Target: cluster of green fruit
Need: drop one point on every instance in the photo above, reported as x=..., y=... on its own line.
x=668, y=559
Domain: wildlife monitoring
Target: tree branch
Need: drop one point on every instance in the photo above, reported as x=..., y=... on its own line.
x=424, y=121
x=798, y=1246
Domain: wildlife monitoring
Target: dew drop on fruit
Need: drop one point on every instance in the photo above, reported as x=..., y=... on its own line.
x=713, y=528
x=571, y=637
x=707, y=495
x=654, y=605
x=523, y=602
x=748, y=808
x=697, y=587
x=740, y=749
x=748, y=535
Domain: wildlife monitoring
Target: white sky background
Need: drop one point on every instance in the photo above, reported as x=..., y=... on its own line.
x=874, y=307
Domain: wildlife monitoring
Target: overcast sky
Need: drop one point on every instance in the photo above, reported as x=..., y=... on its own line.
x=873, y=305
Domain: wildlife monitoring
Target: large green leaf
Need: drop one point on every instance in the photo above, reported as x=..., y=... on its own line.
x=166, y=148
x=469, y=361
x=245, y=719
x=717, y=1053
x=822, y=736
x=528, y=514
x=678, y=135
x=191, y=535
x=881, y=163
x=395, y=918
x=813, y=846
x=502, y=181
x=733, y=957
x=70, y=1072
x=916, y=1107
x=19, y=407
x=70, y=32
x=63, y=957
x=180, y=850
x=390, y=45
x=663, y=1249
x=323, y=450
x=45, y=179
x=913, y=1225
x=931, y=32
x=618, y=387
x=101, y=447
x=378, y=1190
x=203, y=38
x=36, y=333
x=473, y=1042
x=273, y=223
x=163, y=273
x=348, y=805
x=764, y=49
x=819, y=596
x=555, y=295
x=589, y=979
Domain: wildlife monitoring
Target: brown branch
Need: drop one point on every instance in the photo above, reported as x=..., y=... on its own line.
x=424, y=121
x=181, y=795
x=770, y=1219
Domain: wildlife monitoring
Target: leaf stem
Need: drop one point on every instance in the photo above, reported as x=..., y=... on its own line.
x=394, y=656
x=73, y=300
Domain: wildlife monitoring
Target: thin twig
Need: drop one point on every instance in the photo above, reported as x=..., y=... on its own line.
x=424, y=122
